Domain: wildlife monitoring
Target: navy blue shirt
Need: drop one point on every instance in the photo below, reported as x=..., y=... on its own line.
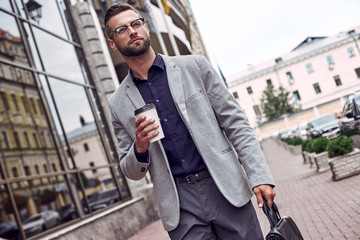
x=182, y=154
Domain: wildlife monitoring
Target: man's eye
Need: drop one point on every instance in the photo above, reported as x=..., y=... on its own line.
x=136, y=24
x=120, y=30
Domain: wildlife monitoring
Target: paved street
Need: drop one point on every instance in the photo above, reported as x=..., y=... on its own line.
x=322, y=209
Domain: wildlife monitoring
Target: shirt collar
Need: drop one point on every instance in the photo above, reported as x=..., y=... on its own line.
x=158, y=63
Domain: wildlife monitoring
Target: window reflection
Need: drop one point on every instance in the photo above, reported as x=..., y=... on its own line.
x=8, y=226
x=39, y=202
x=79, y=125
x=11, y=44
x=5, y=4
x=100, y=188
x=62, y=60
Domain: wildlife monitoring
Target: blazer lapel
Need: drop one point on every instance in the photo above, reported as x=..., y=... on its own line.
x=133, y=93
x=176, y=86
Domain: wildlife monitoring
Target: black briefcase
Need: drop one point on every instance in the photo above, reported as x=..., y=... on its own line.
x=281, y=228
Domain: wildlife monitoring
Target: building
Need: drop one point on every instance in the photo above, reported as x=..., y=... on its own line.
x=320, y=72
x=55, y=65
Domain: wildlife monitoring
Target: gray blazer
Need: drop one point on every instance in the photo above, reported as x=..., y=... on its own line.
x=216, y=123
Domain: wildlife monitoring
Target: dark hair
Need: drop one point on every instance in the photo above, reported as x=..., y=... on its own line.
x=114, y=10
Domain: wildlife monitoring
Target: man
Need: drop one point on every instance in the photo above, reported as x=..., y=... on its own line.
x=206, y=167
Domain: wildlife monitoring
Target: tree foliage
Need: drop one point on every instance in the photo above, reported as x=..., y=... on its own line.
x=276, y=102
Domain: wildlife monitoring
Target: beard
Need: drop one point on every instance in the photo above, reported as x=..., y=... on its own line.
x=134, y=51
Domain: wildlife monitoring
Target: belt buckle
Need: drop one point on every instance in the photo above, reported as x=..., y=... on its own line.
x=188, y=180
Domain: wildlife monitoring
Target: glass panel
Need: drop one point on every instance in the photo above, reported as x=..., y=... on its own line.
x=62, y=60
x=6, y=5
x=79, y=125
x=100, y=188
x=125, y=193
x=33, y=51
x=11, y=44
x=8, y=226
x=47, y=15
x=39, y=202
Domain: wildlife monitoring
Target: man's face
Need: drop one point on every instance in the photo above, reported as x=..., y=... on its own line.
x=133, y=42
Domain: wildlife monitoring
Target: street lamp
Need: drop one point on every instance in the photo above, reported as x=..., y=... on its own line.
x=34, y=10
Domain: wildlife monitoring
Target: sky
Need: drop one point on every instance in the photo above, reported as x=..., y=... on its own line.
x=238, y=33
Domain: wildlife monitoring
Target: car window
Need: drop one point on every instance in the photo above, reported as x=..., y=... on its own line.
x=35, y=218
x=323, y=120
x=357, y=101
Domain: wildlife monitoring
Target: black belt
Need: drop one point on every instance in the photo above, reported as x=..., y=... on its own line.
x=194, y=177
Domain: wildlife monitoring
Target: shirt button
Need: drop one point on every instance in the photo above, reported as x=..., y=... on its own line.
x=183, y=160
x=157, y=100
x=165, y=120
x=149, y=83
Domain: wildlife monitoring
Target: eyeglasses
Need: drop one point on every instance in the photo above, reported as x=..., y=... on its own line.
x=122, y=29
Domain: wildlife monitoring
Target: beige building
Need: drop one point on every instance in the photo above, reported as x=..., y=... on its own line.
x=319, y=73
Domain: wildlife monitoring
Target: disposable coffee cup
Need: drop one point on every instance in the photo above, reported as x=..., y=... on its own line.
x=149, y=110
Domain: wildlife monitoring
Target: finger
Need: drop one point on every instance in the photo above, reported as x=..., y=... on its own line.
x=139, y=120
x=258, y=197
x=144, y=124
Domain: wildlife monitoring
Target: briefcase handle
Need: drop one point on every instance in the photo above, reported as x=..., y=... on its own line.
x=272, y=213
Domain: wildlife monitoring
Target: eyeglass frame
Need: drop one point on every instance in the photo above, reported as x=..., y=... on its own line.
x=127, y=26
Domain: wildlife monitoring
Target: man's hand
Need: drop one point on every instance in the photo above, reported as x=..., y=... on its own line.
x=265, y=191
x=142, y=128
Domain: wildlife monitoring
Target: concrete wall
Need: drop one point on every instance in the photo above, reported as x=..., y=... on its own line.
x=120, y=222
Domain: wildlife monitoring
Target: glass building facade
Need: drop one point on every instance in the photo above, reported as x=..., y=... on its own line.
x=58, y=163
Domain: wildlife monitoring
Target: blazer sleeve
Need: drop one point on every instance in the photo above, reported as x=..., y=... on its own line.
x=130, y=166
x=234, y=123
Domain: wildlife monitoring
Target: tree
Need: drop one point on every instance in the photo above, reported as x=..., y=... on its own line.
x=276, y=102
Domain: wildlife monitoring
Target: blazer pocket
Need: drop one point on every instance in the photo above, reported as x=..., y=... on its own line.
x=197, y=94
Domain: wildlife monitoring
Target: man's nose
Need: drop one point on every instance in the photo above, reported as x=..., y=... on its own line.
x=131, y=30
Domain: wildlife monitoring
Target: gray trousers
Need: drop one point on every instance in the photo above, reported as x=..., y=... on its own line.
x=205, y=214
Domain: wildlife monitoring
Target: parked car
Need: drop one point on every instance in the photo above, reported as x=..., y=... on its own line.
x=9, y=230
x=41, y=222
x=351, y=113
x=103, y=198
x=302, y=130
x=326, y=125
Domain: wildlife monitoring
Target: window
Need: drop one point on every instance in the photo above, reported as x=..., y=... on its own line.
x=257, y=110
x=86, y=147
x=1, y=70
x=296, y=95
x=5, y=142
x=33, y=105
x=20, y=75
x=351, y=52
x=26, y=107
x=357, y=71
x=290, y=78
x=17, y=140
x=309, y=68
x=249, y=90
x=92, y=164
x=13, y=97
x=330, y=60
x=27, y=139
x=337, y=80
x=36, y=140
x=40, y=107
x=235, y=94
x=4, y=100
x=12, y=73
x=44, y=139
x=317, y=88
x=268, y=82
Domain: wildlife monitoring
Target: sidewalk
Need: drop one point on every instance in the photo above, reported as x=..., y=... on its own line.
x=322, y=209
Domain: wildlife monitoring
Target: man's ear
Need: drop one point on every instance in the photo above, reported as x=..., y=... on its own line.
x=112, y=44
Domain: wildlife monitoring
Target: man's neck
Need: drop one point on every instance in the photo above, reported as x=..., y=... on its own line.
x=140, y=65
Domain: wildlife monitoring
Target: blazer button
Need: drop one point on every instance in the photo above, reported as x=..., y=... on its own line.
x=143, y=169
